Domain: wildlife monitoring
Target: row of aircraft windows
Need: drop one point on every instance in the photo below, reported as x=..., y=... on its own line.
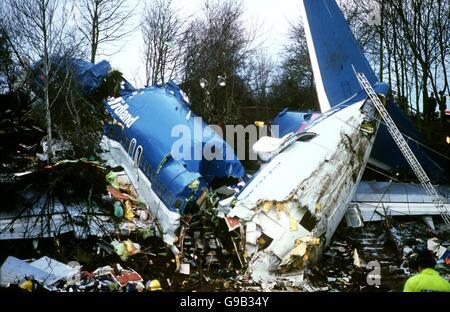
x=136, y=155
x=144, y=165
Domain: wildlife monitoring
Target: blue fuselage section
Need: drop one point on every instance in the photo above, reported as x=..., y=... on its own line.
x=149, y=123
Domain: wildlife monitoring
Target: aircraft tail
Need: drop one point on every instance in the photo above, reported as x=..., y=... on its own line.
x=335, y=54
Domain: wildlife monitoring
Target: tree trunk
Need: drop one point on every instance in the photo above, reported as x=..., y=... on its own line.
x=424, y=87
x=416, y=84
x=396, y=54
x=46, y=84
x=49, y=124
x=95, y=34
x=381, y=44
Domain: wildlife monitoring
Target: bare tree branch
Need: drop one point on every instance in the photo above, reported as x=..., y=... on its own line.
x=104, y=22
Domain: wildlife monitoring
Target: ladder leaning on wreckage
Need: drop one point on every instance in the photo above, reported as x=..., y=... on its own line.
x=404, y=148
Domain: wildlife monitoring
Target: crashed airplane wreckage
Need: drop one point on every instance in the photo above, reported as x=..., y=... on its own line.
x=292, y=206
x=290, y=209
x=141, y=141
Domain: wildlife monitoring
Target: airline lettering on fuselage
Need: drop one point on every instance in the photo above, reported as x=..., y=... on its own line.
x=123, y=114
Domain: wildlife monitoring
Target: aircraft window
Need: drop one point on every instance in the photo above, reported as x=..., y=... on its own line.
x=306, y=136
x=132, y=147
x=137, y=156
x=301, y=136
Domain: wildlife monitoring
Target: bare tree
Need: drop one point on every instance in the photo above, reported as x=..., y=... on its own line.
x=410, y=45
x=442, y=29
x=216, y=50
x=162, y=31
x=39, y=32
x=294, y=83
x=103, y=21
x=8, y=70
x=261, y=69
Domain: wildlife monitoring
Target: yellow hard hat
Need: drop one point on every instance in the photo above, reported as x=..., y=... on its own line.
x=153, y=285
x=259, y=124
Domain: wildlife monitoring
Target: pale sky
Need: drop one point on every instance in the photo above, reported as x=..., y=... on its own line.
x=273, y=17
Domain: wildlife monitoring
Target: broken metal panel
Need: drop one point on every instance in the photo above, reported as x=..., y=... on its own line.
x=376, y=212
x=88, y=76
x=391, y=192
x=284, y=243
x=45, y=270
x=15, y=270
x=167, y=219
x=55, y=268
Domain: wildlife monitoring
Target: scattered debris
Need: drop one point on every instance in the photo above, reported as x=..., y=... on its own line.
x=212, y=252
x=128, y=276
x=356, y=260
x=126, y=249
x=46, y=271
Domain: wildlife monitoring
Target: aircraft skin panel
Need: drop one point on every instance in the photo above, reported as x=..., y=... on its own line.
x=289, y=121
x=335, y=55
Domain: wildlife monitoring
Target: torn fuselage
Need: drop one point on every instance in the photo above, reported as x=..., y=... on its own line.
x=292, y=207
